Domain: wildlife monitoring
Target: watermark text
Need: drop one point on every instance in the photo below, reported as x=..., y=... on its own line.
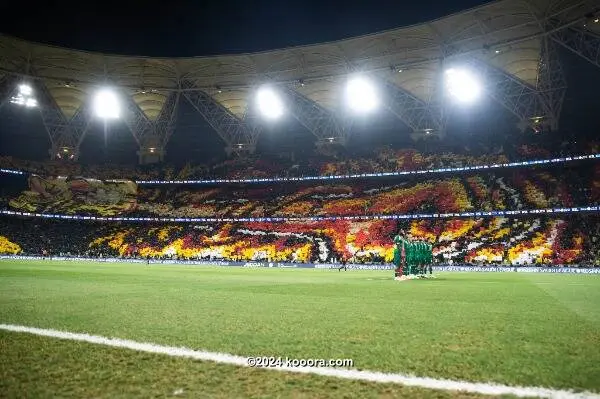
x=279, y=362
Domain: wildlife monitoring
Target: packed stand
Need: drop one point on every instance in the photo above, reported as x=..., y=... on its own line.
x=545, y=240
x=487, y=241
x=499, y=190
x=379, y=161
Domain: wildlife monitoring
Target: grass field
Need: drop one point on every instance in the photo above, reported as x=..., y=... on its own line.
x=511, y=328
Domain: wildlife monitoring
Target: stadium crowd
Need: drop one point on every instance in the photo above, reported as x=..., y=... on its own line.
x=542, y=187
x=544, y=240
x=547, y=239
x=381, y=160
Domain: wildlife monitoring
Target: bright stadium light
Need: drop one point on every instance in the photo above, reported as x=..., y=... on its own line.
x=106, y=105
x=269, y=103
x=462, y=85
x=24, y=97
x=361, y=95
x=31, y=102
x=25, y=90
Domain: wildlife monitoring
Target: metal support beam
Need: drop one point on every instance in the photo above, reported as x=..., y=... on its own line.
x=328, y=127
x=551, y=84
x=152, y=137
x=421, y=117
x=581, y=42
x=165, y=123
x=65, y=134
x=79, y=124
x=534, y=108
x=239, y=135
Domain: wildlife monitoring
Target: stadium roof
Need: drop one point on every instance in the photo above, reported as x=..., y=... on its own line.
x=504, y=33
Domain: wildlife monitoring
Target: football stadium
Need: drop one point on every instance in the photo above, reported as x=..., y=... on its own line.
x=412, y=213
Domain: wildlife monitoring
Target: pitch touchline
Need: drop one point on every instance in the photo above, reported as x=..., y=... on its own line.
x=351, y=374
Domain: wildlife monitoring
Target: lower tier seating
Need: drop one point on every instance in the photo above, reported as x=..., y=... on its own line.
x=521, y=241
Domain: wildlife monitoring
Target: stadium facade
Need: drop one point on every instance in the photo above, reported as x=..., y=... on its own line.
x=510, y=44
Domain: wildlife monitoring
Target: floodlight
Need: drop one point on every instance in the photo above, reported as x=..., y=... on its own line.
x=106, y=104
x=25, y=90
x=462, y=85
x=269, y=103
x=361, y=95
x=24, y=96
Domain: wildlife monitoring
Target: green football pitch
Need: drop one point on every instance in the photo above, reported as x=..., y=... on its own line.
x=518, y=329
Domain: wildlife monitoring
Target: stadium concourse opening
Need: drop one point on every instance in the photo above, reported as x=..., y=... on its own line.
x=421, y=204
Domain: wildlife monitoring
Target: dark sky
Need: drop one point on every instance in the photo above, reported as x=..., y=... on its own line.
x=206, y=27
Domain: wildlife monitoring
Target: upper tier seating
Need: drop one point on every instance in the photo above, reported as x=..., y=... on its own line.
x=379, y=161
x=514, y=189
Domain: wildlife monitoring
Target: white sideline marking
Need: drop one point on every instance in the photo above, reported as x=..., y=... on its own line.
x=350, y=374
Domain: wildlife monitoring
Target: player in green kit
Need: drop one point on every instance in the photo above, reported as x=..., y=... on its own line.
x=415, y=258
x=430, y=257
x=421, y=257
x=409, y=258
x=399, y=254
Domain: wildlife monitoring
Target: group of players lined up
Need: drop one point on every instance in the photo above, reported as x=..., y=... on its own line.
x=412, y=258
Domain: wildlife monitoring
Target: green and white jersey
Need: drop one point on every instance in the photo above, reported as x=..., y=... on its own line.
x=400, y=242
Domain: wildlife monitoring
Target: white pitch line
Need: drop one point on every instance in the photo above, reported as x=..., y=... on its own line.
x=350, y=374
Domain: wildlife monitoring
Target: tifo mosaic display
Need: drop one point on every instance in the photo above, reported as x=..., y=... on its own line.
x=542, y=240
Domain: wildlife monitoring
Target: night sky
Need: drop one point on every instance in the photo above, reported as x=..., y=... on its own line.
x=206, y=27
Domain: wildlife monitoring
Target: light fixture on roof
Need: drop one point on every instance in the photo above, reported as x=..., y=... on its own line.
x=24, y=96
x=25, y=89
x=106, y=104
x=537, y=119
x=269, y=103
x=219, y=90
x=361, y=95
x=462, y=85
x=301, y=82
